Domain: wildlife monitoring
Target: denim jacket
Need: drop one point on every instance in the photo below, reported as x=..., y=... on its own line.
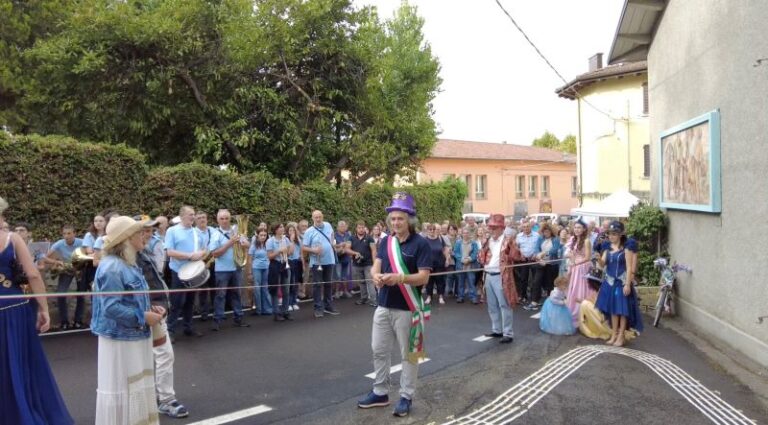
x=553, y=252
x=457, y=253
x=119, y=316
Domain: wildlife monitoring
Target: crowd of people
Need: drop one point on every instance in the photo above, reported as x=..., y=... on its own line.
x=398, y=266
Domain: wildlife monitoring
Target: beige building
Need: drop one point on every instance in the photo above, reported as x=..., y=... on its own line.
x=704, y=57
x=505, y=178
x=613, y=152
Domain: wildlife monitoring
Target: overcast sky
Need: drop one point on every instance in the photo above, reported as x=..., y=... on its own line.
x=495, y=87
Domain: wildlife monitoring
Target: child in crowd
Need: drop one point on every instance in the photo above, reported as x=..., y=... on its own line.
x=555, y=317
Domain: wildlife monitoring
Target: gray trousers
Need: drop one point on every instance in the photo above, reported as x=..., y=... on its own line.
x=367, y=288
x=390, y=325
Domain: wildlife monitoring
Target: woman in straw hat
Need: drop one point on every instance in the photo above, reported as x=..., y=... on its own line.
x=28, y=392
x=126, y=388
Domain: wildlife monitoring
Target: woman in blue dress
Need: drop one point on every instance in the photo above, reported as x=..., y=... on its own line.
x=617, y=297
x=28, y=392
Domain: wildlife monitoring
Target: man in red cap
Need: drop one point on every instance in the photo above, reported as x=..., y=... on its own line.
x=496, y=256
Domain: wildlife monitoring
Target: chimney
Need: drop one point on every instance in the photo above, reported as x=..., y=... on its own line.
x=596, y=62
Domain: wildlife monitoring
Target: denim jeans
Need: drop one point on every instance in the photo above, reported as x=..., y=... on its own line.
x=278, y=285
x=226, y=280
x=295, y=276
x=452, y=282
x=343, y=276
x=182, y=304
x=498, y=308
x=322, y=292
x=65, y=280
x=261, y=301
x=466, y=285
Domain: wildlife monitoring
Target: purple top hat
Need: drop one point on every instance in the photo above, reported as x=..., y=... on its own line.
x=402, y=201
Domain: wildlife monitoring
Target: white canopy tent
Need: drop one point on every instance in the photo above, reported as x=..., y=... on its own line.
x=617, y=204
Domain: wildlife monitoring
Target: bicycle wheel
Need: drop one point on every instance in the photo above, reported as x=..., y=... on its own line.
x=660, y=306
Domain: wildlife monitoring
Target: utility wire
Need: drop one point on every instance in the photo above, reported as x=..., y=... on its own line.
x=552, y=67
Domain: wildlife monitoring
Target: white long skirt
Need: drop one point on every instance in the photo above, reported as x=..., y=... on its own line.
x=126, y=385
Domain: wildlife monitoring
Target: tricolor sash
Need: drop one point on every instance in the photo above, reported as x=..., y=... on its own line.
x=413, y=299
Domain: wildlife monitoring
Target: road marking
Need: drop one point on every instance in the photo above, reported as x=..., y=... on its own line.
x=536, y=316
x=516, y=401
x=482, y=338
x=234, y=416
x=396, y=368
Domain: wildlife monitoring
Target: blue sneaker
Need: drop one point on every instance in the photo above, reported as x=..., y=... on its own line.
x=373, y=400
x=403, y=407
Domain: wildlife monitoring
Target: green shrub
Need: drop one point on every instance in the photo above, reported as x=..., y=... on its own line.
x=647, y=224
x=52, y=181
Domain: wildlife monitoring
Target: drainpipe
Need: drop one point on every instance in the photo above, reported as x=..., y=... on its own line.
x=580, y=149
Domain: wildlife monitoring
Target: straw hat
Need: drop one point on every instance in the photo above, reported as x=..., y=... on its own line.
x=119, y=229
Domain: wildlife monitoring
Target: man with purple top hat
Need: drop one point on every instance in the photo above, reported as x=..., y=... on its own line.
x=402, y=266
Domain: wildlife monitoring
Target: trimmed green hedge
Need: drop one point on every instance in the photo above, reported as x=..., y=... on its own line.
x=51, y=181
x=268, y=199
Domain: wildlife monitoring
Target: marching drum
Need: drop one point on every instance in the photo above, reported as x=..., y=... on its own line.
x=194, y=274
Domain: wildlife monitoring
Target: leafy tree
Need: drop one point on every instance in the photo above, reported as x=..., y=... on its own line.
x=21, y=24
x=568, y=144
x=547, y=140
x=550, y=141
x=299, y=88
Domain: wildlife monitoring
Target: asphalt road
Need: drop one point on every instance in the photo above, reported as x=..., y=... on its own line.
x=313, y=370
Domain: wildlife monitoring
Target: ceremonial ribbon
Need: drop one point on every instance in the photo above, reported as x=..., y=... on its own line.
x=420, y=312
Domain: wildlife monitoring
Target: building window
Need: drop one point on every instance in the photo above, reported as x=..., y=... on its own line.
x=545, y=186
x=480, y=182
x=467, y=179
x=645, y=98
x=574, y=186
x=647, y=161
x=533, y=183
x=519, y=186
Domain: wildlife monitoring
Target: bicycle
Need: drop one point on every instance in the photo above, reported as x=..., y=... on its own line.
x=667, y=286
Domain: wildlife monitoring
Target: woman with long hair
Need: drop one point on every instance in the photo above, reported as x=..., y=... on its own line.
x=126, y=384
x=278, y=250
x=579, y=253
x=617, y=297
x=262, y=305
x=28, y=391
x=563, y=235
x=545, y=272
x=297, y=268
x=451, y=280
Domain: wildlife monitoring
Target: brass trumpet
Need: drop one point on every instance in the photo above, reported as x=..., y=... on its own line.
x=240, y=252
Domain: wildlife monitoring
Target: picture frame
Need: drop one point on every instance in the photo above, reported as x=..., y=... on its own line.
x=689, y=165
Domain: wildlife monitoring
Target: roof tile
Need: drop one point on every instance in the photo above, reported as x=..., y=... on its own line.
x=462, y=149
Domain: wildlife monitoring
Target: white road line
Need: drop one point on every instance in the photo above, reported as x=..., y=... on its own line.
x=394, y=369
x=482, y=338
x=234, y=416
x=536, y=316
x=516, y=401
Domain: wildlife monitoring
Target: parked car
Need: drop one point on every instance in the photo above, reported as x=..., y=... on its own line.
x=479, y=217
x=538, y=218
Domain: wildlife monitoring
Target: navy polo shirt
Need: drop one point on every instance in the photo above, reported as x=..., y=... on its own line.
x=416, y=255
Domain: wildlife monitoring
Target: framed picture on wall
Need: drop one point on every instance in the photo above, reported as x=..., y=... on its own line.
x=689, y=165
